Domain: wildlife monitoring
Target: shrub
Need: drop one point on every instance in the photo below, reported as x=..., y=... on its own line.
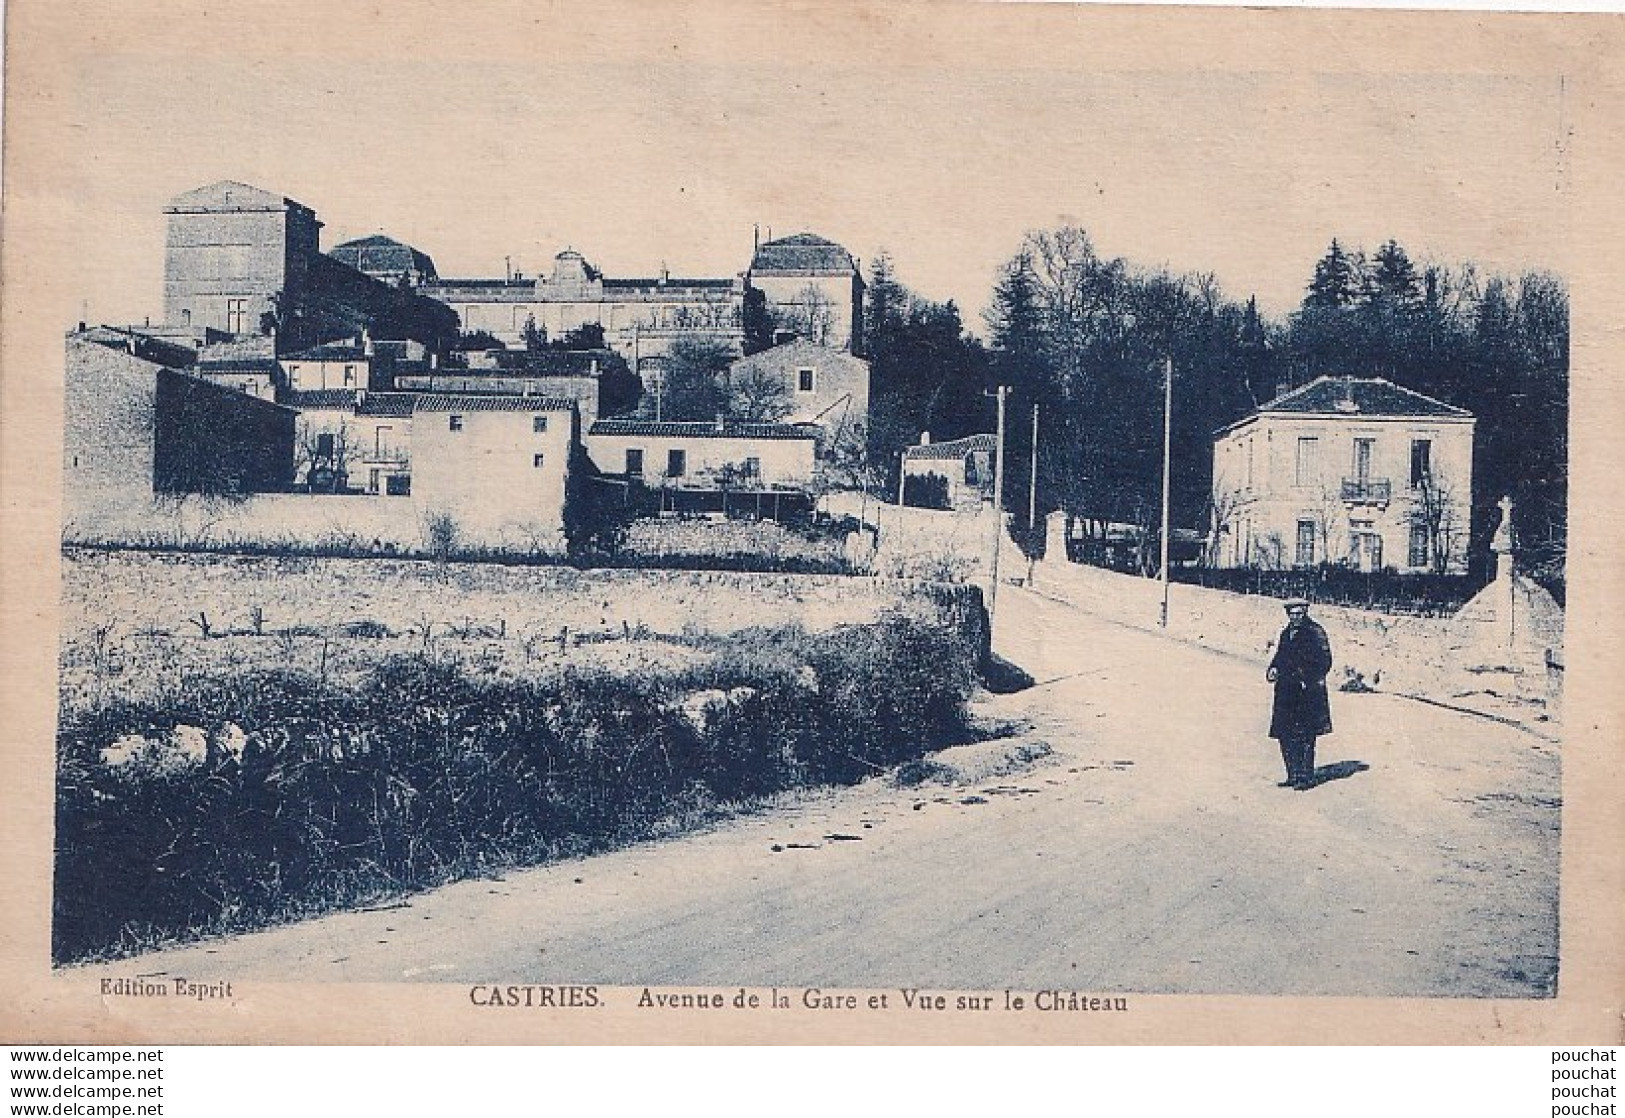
x=440, y=535
x=926, y=491
x=310, y=796
x=1387, y=591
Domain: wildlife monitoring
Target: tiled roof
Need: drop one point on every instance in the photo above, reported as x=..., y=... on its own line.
x=237, y=365
x=668, y=282
x=448, y=401
x=954, y=448
x=329, y=353
x=477, y=281
x=798, y=349
x=804, y=252
x=322, y=398
x=248, y=348
x=1360, y=396
x=379, y=254
x=702, y=430
x=387, y=405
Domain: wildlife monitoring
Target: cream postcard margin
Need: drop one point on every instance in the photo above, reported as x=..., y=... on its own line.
x=49, y=43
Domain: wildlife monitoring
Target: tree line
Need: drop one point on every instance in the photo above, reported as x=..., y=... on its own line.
x=1088, y=338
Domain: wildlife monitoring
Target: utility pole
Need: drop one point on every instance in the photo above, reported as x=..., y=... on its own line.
x=1032, y=485
x=1032, y=503
x=1167, y=457
x=998, y=504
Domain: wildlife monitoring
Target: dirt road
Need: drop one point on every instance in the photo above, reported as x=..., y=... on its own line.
x=1151, y=852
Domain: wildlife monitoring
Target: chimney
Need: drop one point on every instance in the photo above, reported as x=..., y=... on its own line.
x=755, y=239
x=367, y=346
x=595, y=366
x=925, y=438
x=360, y=398
x=722, y=422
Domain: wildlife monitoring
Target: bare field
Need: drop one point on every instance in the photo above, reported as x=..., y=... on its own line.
x=137, y=621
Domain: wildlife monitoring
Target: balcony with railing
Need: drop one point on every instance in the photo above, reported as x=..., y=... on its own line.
x=1367, y=490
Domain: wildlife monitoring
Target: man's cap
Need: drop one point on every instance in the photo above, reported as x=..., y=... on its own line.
x=1291, y=603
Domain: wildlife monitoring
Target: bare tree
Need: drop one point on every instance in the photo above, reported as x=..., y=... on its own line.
x=1436, y=511
x=1330, y=517
x=758, y=394
x=810, y=315
x=322, y=446
x=1223, y=506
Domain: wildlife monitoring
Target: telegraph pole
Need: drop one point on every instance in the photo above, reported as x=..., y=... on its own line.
x=1167, y=458
x=1032, y=487
x=998, y=505
x=1032, y=503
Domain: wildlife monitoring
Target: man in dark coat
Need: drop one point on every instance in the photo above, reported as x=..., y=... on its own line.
x=1302, y=711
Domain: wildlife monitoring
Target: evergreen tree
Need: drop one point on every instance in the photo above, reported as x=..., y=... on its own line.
x=1394, y=281
x=885, y=305
x=1339, y=280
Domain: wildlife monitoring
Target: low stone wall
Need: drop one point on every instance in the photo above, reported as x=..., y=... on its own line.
x=308, y=519
x=1443, y=659
x=162, y=590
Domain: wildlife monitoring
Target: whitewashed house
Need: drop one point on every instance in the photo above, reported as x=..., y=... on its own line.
x=1345, y=469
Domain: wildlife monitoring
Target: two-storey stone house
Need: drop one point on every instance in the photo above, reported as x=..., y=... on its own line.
x=1345, y=469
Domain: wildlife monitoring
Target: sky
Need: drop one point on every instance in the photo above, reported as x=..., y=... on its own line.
x=639, y=164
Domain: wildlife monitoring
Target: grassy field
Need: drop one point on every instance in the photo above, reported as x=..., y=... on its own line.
x=244, y=741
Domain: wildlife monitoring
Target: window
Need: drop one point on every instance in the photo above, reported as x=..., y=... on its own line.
x=1362, y=459
x=381, y=440
x=324, y=445
x=804, y=380
x=634, y=462
x=349, y=376
x=1248, y=451
x=236, y=315
x=676, y=463
x=753, y=467
x=1421, y=461
x=1308, y=461
x=538, y=423
x=975, y=467
x=1419, y=546
x=537, y=461
x=454, y=423
x=1306, y=543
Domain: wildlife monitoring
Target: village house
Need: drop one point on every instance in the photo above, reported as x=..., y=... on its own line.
x=1345, y=469
x=705, y=455
x=259, y=376
x=497, y=466
x=964, y=465
x=352, y=440
x=335, y=365
x=818, y=384
x=133, y=429
x=598, y=380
